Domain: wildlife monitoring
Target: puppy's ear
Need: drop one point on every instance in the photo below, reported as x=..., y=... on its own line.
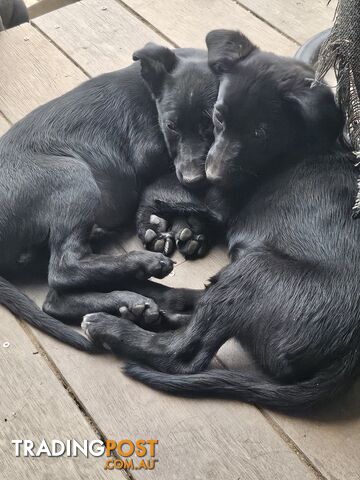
x=156, y=62
x=226, y=48
x=316, y=108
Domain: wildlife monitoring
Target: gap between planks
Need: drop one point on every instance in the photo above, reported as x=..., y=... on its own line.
x=69, y=390
x=262, y=19
x=72, y=60
x=147, y=23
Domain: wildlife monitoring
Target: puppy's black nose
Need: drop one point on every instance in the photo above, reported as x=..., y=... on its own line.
x=192, y=179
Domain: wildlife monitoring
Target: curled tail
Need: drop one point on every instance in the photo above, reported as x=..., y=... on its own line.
x=23, y=307
x=253, y=388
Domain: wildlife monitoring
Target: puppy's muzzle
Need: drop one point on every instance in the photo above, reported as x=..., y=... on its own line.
x=191, y=180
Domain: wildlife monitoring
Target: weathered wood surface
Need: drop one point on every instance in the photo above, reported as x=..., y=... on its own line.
x=298, y=19
x=33, y=71
x=98, y=36
x=186, y=22
x=330, y=438
x=35, y=405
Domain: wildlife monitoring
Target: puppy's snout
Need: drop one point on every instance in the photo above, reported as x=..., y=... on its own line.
x=191, y=180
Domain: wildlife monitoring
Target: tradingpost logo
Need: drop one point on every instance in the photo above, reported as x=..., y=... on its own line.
x=122, y=454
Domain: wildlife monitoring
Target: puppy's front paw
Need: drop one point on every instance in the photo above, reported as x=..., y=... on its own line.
x=157, y=238
x=137, y=308
x=158, y=266
x=149, y=264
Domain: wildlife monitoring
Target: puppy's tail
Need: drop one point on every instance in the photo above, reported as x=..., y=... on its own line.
x=253, y=388
x=23, y=307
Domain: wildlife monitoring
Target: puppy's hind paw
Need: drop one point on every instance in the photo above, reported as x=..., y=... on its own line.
x=139, y=309
x=149, y=264
x=157, y=238
x=87, y=323
x=190, y=239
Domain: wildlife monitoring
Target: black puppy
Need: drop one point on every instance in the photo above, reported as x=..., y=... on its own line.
x=290, y=294
x=84, y=158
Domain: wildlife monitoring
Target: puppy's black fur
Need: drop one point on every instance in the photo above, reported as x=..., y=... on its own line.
x=291, y=292
x=85, y=157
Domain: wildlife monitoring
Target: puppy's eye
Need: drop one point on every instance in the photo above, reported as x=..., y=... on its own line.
x=218, y=119
x=171, y=126
x=260, y=132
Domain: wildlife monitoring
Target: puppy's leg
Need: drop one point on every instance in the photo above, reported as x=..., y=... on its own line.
x=176, y=304
x=187, y=349
x=149, y=304
x=73, y=265
x=71, y=307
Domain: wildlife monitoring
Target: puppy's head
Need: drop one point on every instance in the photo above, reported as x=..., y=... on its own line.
x=185, y=90
x=266, y=109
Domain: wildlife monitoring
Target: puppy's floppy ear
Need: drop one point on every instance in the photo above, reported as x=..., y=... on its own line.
x=226, y=48
x=316, y=107
x=156, y=62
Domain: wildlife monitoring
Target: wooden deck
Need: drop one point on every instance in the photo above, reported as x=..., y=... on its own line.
x=54, y=392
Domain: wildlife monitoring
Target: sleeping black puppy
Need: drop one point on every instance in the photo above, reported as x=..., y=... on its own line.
x=83, y=159
x=290, y=294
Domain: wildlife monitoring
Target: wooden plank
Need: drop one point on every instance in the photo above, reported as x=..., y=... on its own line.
x=35, y=406
x=4, y=124
x=41, y=7
x=99, y=36
x=299, y=19
x=330, y=438
x=33, y=71
x=187, y=22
